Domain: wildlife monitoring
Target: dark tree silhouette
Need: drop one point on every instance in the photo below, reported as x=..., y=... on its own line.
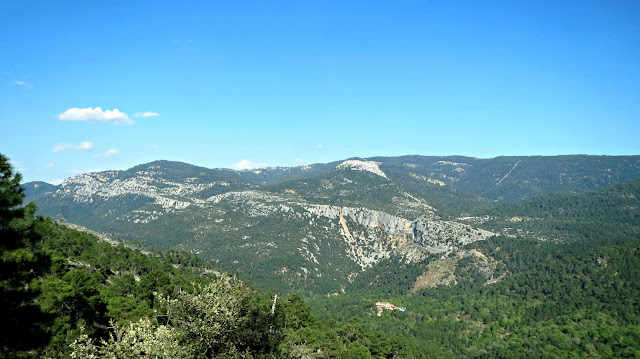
x=23, y=325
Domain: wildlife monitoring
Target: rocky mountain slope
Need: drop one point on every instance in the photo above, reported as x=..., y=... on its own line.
x=315, y=228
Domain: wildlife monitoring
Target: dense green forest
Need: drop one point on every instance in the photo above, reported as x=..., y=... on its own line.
x=613, y=211
x=576, y=299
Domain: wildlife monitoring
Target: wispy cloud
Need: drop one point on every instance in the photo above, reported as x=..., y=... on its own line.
x=320, y=146
x=91, y=114
x=50, y=165
x=56, y=182
x=146, y=114
x=109, y=153
x=247, y=165
x=84, y=146
x=23, y=84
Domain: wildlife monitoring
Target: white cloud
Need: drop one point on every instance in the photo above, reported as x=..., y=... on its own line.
x=90, y=114
x=320, y=146
x=50, y=165
x=56, y=182
x=84, y=146
x=146, y=114
x=24, y=84
x=109, y=153
x=247, y=165
x=299, y=160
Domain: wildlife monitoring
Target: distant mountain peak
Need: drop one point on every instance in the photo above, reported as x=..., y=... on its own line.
x=367, y=166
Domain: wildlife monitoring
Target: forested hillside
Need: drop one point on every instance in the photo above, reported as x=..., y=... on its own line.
x=613, y=211
x=578, y=299
x=509, y=178
x=66, y=294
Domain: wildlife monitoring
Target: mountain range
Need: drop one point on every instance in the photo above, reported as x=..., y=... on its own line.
x=324, y=228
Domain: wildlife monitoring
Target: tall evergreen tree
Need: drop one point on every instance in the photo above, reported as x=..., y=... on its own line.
x=22, y=327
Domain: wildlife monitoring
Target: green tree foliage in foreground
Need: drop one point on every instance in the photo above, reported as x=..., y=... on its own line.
x=21, y=264
x=65, y=294
x=219, y=319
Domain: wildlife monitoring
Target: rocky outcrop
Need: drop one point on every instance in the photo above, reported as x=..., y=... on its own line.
x=367, y=166
x=106, y=185
x=381, y=306
x=442, y=271
x=384, y=234
x=444, y=236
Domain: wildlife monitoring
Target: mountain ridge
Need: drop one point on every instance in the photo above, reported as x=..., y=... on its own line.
x=307, y=228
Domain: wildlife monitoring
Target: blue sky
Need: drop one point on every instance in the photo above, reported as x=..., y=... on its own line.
x=238, y=84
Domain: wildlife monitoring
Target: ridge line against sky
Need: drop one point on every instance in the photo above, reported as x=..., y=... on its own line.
x=274, y=83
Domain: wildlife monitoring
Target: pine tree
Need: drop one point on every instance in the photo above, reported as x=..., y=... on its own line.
x=23, y=325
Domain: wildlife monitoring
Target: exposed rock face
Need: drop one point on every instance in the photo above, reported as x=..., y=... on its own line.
x=446, y=235
x=368, y=166
x=442, y=271
x=380, y=234
x=105, y=185
x=388, y=306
